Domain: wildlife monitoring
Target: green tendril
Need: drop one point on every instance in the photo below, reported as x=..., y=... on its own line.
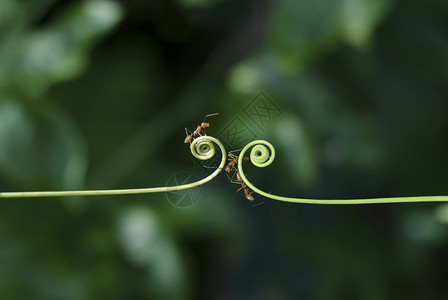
x=202, y=148
x=263, y=154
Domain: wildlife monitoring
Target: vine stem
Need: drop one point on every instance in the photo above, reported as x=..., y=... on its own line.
x=201, y=148
x=260, y=156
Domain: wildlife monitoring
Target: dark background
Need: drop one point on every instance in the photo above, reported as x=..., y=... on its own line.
x=96, y=95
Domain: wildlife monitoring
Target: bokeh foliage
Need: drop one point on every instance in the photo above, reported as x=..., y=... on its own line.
x=95, y=94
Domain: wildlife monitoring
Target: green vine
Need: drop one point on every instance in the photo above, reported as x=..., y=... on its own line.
x=263, y=154
x=202, y=148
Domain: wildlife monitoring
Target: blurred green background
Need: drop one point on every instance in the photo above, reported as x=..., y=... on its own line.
x=96, y=95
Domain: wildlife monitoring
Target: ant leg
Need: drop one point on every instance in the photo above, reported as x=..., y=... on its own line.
x=259, y=203
x=231, y=178
x=237, y=150
x=232, y=156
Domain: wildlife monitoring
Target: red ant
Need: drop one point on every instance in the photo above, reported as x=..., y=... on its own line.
x=197, y=132
x=233, y=160
x=244, y=187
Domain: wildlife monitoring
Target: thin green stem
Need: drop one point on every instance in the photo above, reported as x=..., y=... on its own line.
x=263, y=154
x=201, y=148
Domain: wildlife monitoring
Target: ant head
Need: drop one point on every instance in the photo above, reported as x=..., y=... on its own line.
x=204, y=125
x=250, y=197
x=227, y=168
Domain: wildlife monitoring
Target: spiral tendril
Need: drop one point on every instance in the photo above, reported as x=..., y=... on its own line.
x=202, y=148
x=261, y=157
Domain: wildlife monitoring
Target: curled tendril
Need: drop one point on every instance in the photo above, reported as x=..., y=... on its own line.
x=260, y=155
x=202, y=148
x=263, y=154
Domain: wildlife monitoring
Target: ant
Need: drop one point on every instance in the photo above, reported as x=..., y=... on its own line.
x=244, y=187
x=197, y=132
x=233, y=160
